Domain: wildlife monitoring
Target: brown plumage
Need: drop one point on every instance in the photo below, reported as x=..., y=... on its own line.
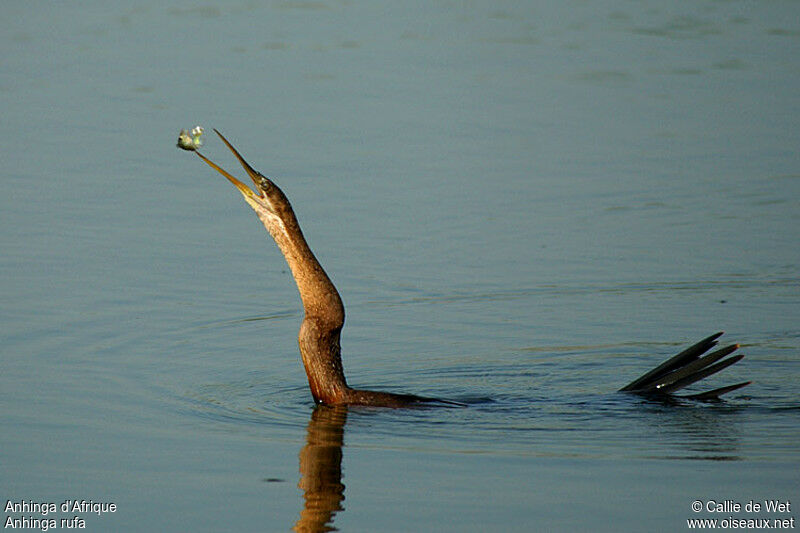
x=324, y=312
x=324, y=315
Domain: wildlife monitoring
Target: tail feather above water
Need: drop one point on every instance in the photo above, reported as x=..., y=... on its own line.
x=688, y=367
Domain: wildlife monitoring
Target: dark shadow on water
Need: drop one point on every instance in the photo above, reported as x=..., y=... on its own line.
x=707, y=430
x=703, y=434
x=321, y=469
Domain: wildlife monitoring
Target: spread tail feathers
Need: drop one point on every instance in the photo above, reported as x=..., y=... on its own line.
x=688, y=367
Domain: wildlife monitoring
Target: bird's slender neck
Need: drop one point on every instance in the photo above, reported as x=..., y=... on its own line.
x=320, y=332
x=320, y=298
x=319, y=336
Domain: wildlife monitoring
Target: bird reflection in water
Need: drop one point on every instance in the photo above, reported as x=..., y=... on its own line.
x=321, y=469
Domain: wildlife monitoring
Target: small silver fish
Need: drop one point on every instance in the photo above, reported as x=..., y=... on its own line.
x=190, y=140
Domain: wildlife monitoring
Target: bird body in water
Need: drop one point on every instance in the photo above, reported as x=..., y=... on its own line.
x=320, y=331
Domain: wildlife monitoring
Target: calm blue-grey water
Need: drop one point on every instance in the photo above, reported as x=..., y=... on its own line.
x=524, y=205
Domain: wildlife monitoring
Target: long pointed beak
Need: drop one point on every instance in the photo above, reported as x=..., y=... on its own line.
x=244, y=189
x=254, y=175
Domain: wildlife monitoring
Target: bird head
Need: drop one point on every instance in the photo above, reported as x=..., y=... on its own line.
x=266, y=200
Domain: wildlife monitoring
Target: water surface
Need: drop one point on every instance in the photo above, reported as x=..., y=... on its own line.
x=523, y=207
